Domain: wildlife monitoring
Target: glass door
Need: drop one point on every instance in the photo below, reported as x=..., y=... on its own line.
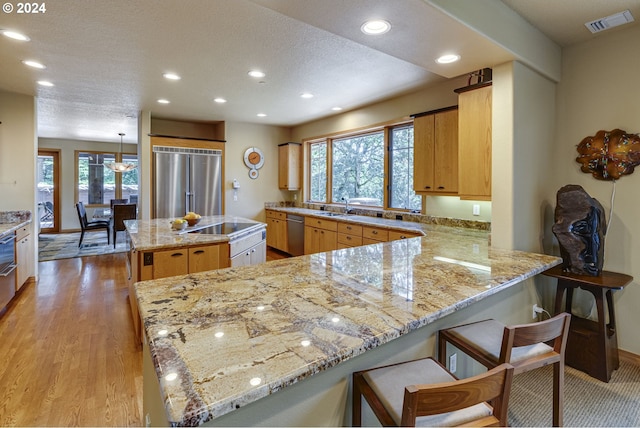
x=48, y=178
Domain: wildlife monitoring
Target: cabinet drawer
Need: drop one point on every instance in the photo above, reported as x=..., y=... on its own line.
x=349, y=240
x=22, y=233
x=375, y=233
x=276, y=214
x=203, y=258
x=396, y=234
x=321, y=224
x=350, y=229
x=170, y=263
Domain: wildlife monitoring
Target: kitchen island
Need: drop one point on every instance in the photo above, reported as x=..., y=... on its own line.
x=275, y=344
x=158, y=251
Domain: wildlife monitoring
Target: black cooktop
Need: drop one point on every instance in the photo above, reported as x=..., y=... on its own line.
x=223, y=228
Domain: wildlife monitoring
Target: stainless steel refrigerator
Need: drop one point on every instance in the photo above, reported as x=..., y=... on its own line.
x=186, y=180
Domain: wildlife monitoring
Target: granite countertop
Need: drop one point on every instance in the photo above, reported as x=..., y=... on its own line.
x=222, y=339
x=10, y=221
x=157, y=233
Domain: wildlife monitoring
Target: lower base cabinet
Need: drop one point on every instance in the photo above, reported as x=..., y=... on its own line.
x=249, y=250
x=23, y=257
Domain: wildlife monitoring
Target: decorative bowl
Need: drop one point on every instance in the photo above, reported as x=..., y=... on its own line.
x=178, y=226
x=193, y=221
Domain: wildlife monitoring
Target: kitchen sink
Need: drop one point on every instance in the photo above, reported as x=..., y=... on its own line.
x=330, y=214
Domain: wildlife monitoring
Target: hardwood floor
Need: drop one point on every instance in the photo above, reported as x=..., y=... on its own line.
x=68, y=352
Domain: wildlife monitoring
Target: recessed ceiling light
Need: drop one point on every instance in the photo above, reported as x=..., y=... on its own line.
x=171, y=76
x=375, y=27
x=256, y=73
x=448, y=59
x=261, y=115
x=16, y=36
x=34, y=64
x=336, y=108
x=220, y=100
x=45, y=83
x=306, y=95
x=163, y=101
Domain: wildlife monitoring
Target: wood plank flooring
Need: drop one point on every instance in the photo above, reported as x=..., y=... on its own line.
x=68, y=353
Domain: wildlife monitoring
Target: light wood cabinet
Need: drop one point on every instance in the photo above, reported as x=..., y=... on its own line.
x=435, y=166
x=320, y=235
x=395, y=235
x=349, y=235
x=277, y=236
x=374, y=234
x=204, y=258
x=170, y=263
x=289, y=166
x=24, y=257
x=158, y=264
x=474, y=144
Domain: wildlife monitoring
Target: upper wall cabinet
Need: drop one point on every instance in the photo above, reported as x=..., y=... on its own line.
x=474, y=143
x=289, y=166
x=435, y=166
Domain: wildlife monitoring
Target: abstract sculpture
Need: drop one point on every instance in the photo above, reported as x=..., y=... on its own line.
x=579, y=227
x=609, y=154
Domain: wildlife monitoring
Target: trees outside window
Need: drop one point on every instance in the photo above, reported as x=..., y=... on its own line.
x=96, y=184
x=401, y=194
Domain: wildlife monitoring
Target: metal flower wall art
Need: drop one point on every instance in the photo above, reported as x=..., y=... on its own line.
x=609, y=154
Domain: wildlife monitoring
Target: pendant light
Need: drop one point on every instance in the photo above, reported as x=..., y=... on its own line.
x=120, y=166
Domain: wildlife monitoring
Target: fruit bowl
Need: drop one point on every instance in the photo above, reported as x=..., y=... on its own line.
x=193, y=221
x=175, y=225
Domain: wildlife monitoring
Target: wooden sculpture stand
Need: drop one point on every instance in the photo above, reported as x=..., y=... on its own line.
x=592, y=345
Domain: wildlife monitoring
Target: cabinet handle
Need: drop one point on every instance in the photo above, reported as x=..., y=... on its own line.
x=177, y=255
x=253, y=251
x=348, y=227
x=348, y=238
x=198, y=252
x=374, y=232
x=247, y=254
x=427, y=187
x=403, y=237
x=440, y=187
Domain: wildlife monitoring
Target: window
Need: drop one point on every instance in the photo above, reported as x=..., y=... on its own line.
x=401, y=194
x=97, y=185
x=353, y=167
x=358, y=169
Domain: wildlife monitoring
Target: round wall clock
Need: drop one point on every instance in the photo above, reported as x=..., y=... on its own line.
x=253, y=159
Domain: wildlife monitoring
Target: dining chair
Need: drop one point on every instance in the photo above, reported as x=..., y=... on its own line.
x=524, y=346
x=86, y=225
x=117, y=202
x=424, y=393
x=121, y=212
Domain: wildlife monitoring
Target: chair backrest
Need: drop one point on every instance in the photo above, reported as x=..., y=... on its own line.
x=48, y=205
x=123, y=212
x=493, y=386
x=555, y=329
x=82, y=214
x=117, y=202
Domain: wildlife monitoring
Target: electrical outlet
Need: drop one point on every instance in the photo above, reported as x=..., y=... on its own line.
x=453, y=363
x=535, y=310
x=476, y=209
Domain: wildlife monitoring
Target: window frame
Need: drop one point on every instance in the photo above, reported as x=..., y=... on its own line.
x=328, y=140
x=117, y=176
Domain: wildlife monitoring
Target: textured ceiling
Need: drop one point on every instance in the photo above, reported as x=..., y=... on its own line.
x=106, y=58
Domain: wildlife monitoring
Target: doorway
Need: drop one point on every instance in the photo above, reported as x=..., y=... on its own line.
x=48, y=185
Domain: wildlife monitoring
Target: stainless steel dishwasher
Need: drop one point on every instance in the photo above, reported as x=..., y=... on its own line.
x=295, y=233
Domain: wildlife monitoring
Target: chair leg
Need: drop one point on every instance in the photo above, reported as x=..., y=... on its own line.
x=115, y=234
x=356, y=403
x=558, y=393
x=81, y=238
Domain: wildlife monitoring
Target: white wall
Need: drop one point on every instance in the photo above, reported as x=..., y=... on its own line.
x=599, y=90
x=17, y=160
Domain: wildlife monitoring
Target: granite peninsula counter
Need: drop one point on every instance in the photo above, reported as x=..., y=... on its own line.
x=282, y=338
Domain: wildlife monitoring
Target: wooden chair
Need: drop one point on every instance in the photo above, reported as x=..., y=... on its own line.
x=86, y=225
x=491, y=343
x=423, y=393
x=121, y=212
x=117, y=202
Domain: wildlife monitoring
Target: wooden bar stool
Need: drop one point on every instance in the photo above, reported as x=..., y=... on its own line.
x=491, y=343
x=423, y=393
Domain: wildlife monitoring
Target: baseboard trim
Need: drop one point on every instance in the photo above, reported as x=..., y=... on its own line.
x=629, y=357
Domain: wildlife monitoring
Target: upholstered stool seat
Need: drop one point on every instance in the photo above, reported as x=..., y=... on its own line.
x=524, y=346
x=423, y=393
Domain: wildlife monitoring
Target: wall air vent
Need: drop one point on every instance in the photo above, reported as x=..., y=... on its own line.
x=609, y=22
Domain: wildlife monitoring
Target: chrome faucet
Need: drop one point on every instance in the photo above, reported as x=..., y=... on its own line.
x=346, y=205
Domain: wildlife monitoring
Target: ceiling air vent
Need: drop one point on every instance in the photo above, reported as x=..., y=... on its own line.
x=609, y=22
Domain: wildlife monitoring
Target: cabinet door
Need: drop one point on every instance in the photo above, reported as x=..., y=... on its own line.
x=474, y=144
x=259, y=253
x=445, y=166
x=170, y=263
x=272, y=232
x=203, y=258
x=311, y=240
x=289, y=166
x=423, y=153
x=22, y=259
x=328, y=240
